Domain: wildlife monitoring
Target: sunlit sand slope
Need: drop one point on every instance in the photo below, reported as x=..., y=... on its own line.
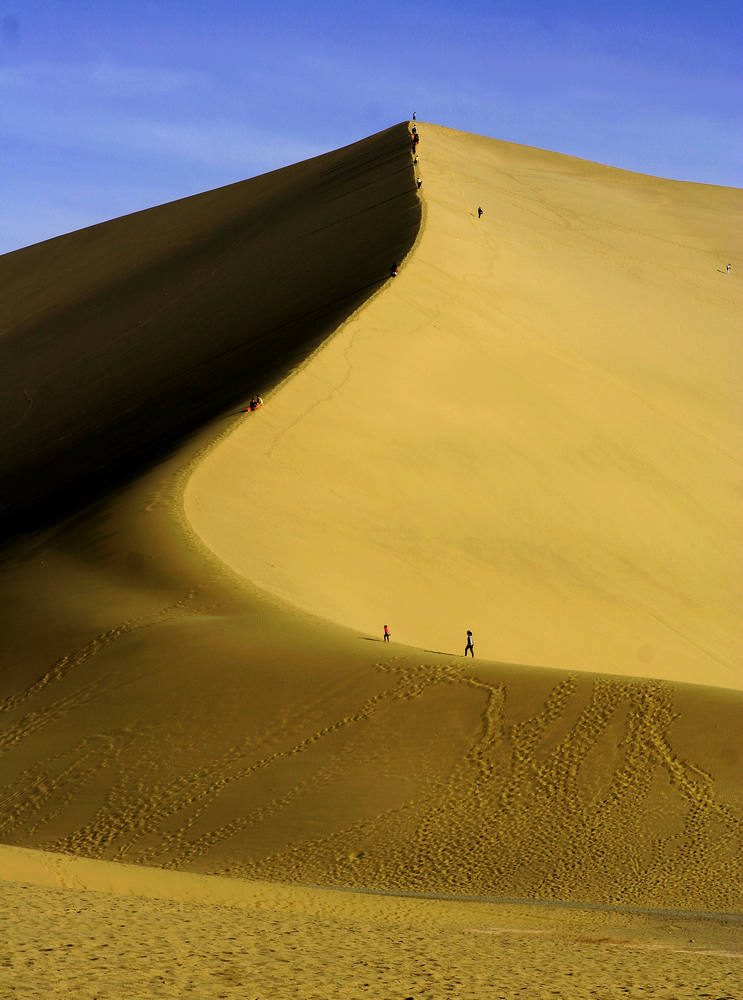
x=154, y=710
x=157, y=708
x=535, y=434
x=118, y=340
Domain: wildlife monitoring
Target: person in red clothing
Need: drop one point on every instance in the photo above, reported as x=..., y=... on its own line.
x=386, y=634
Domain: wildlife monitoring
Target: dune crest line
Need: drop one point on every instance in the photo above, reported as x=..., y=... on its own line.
x=130, y=335
x=538, y=429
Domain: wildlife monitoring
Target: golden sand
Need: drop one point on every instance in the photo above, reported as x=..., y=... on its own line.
x=519, y=434
x=535, y=433
x=92, y=929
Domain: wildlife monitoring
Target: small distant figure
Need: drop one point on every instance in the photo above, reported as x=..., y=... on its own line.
x=414, y=130
x=414, y=116
x=728, y=269
x=479, y=212
x=393, y=271
x=416, y=138
x=386, y=634
x=470, y=645
x=253, y=405
x=415, y=159
x=419, y=182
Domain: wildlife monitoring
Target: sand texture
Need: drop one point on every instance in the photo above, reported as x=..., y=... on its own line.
x=535, y=434
x=118, y=340
x=532, y=432
x=97, y=930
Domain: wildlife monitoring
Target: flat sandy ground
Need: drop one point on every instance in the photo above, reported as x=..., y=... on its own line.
x=454, y=445
x=92, y=929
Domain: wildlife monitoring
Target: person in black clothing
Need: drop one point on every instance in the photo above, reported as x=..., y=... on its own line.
x=470, y=645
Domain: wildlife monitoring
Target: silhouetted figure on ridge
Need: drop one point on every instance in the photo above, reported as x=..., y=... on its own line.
x=470, y=645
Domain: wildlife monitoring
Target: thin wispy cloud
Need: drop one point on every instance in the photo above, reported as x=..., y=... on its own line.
x=105, y=75
x=225, y=144
x=36, y=104
x=101, y=105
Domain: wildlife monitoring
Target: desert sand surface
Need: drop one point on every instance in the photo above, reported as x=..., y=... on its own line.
x=119, y=340
x=96, y=929
x=169, y=713
x=535, y=434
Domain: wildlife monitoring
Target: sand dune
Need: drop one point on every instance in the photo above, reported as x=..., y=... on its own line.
x=535, y=434
x=518, y=434
x=119, y=340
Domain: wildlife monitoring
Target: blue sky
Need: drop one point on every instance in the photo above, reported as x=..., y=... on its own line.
x=107, y=107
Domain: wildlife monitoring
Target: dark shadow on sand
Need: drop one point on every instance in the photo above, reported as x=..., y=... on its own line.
x=119, y=341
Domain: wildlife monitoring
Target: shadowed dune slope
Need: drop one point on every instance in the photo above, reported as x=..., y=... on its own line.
x=118, y=340
x=158, y=708
x=540, y=424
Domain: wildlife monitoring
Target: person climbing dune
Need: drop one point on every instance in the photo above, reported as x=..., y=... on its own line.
x=470, y=647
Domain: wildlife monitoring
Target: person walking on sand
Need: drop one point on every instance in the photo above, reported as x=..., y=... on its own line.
x=393, y=271
x=727, y=269
x=420, y=182
x=386, y=634
x=479, y=212
x=470, y=645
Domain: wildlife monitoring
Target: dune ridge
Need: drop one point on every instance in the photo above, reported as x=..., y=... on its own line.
x=539, y=426
x=158, y=709
x=119, y=340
